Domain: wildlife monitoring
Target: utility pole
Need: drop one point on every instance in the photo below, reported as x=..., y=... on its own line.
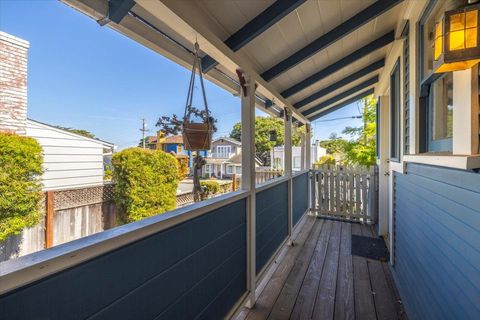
x=143, y=129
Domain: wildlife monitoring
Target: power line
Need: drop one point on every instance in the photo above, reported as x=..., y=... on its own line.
x=342, y=118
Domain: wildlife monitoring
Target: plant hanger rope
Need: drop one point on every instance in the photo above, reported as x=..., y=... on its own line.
x=188, y=106
x=197, y=136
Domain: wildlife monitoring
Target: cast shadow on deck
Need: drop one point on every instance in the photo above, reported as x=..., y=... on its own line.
x=318, y=278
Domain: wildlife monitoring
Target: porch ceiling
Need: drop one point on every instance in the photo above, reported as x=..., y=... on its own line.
x=308, y=56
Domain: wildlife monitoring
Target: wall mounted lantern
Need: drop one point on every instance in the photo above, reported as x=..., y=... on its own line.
x=457, y=40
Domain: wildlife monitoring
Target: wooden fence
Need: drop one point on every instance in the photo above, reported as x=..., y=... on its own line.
x=345, y=192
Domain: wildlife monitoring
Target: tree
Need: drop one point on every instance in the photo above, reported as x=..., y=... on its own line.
x=146, y=183
x=263, y=127
x=362, y=148
x=334, y=145
x=81, y=132
x=173, y=126
x=20, y=188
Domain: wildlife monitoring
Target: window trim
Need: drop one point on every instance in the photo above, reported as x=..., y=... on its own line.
x=395, y=109
x=425, y=81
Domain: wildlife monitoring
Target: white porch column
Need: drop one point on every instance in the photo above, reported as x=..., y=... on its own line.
x=288, y=168
x=248, y=180
x=288, y=143
x=302, y=152
x=308, y=146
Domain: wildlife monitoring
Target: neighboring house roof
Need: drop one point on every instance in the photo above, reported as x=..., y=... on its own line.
x=237, y=159
x=231, y=140
x=215, y=161
x=151, y=139
x=178, y=139
x=102, y=142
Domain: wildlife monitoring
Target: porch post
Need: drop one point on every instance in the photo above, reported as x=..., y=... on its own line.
x=288, y=168
x=308, y=145
x=302, y=152
x=248, y=180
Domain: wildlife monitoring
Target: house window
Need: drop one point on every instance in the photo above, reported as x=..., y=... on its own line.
x=208, y=168
x=223, y=151
x=238, y=170
x=230, y=169
x=297, y=162
x=436, y=98
x=395, y=113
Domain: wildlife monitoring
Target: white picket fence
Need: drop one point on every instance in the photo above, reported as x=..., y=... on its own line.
x=345, y=192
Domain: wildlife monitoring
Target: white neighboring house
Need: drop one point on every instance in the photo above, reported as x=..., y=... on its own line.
x=278, y=155
x=69, y=160
x=225, y=159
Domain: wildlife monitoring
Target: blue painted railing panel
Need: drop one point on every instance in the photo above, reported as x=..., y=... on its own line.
x=437, y=242
x=300, y=196
x=195, y=269
x=271, y=222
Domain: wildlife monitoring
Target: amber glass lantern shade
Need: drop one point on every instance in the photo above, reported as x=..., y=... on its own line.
x=457, y=40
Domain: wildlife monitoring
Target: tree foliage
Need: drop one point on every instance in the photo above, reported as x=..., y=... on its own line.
x=146, y=183
x=173, y=125
x=360, y=148
x=20, y=188
x=81, y=132
x=263, y=127
x=325, y=160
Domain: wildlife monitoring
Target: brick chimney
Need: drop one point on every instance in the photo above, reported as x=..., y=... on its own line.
x=13, y=83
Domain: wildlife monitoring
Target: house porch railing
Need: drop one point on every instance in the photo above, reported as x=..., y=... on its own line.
x=194, y=256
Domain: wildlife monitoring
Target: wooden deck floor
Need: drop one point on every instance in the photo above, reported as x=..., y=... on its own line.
x=318, y=278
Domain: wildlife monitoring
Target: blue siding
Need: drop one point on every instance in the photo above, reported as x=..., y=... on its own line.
x=300, y=196
x=195, y=269
x=437, y=242
x=271, y=222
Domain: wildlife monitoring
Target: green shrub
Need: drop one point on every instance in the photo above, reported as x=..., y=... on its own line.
x=145, y=183
x=326, y=160
x=210, y=187
x=20, y=188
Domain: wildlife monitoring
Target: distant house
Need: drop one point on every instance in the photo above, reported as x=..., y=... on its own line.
x=225, y=159
x=69, y=160
x=277, y=154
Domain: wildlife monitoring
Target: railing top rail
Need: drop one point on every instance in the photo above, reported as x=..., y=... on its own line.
x=35, y=266
x=271, y=183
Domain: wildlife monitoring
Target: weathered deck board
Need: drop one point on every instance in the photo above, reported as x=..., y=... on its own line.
x=269, y=295
x=306, y=297
x=286, y=300
x=364, y=303
x=383, y=296
x=344, y=299
x=320, y=279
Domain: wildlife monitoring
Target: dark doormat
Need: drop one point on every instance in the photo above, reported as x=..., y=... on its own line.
x=368, y=247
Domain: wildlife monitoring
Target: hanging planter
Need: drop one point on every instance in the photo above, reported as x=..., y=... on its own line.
x=197, y=135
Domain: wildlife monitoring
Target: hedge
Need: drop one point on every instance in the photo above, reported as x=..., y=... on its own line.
x=20, y=188
x=145, y=183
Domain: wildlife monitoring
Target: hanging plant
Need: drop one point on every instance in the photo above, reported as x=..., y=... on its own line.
x=197, y=135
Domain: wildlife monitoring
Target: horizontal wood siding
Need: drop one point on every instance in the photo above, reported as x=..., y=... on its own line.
x=195, y=269
x=300, y=196
x=271, y=222
x=437, y=242
x=69, y=161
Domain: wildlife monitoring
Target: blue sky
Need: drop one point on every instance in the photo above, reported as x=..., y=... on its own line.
x=85, y=76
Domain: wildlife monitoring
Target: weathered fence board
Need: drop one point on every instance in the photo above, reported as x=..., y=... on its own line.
x=345, y=192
